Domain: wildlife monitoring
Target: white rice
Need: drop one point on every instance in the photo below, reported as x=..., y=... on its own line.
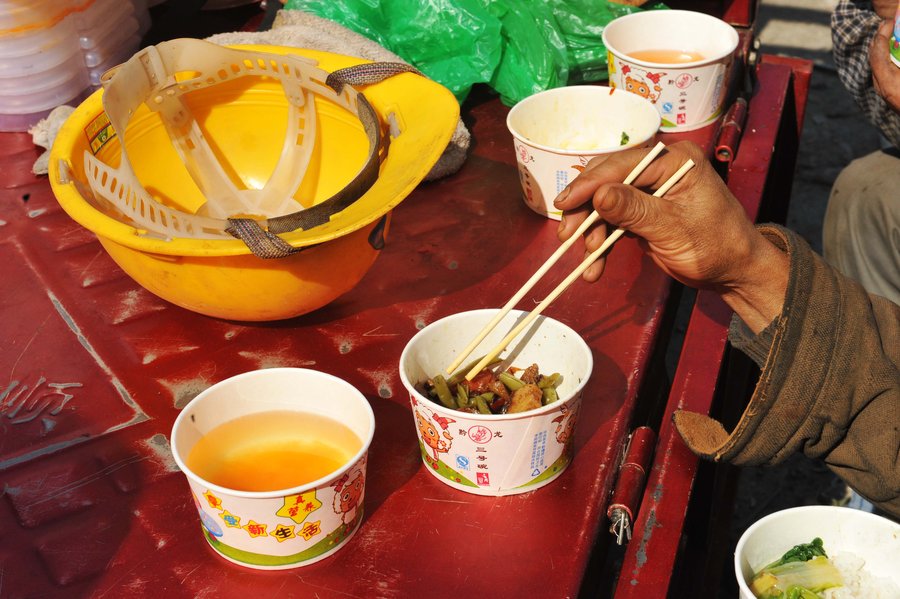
x=859, y=583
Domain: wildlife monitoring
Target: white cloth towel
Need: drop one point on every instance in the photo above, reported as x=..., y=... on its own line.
x=44, y=132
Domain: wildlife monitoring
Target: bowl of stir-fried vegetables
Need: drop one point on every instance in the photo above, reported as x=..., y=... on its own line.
x=509, y=429
x=819, y=552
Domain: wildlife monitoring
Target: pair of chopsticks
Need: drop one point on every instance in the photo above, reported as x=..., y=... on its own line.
x=490, y=357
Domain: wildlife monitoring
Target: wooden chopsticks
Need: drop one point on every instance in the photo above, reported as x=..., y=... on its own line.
x=515, y=299
x=490, y=357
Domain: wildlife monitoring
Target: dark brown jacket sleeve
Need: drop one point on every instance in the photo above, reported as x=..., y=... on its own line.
x=829, y=385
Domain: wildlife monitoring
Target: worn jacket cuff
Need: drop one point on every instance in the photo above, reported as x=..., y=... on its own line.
x=707, y=437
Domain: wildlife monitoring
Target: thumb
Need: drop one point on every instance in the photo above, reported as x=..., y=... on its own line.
x=629, y=208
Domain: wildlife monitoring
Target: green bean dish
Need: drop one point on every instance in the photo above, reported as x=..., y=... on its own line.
x=493, y=391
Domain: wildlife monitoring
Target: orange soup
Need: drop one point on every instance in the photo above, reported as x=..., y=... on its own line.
x=271, y=451
x=666, y=56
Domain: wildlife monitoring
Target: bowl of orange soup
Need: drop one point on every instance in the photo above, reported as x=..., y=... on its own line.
x=682, y=61
x=276, y=464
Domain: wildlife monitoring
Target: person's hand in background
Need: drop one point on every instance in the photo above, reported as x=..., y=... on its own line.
x=886, y=9
x=885, y=74
x=697, y=233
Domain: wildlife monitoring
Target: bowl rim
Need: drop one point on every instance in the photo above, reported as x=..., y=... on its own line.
x=478, y=417
x=208, y=393
x=734, y=38
x=598, y=90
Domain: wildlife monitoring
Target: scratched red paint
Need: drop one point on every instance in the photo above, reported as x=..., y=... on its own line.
x=48, y=403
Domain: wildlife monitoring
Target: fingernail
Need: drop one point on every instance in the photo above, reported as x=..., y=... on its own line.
x=562, y=196
x=562, y=224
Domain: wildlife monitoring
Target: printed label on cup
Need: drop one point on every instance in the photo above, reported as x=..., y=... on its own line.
x=679, y=60
x=544, y=178
x=277, y=476
x=497, y=453
x=686, y=98
x=495, y=457
x=284, y=531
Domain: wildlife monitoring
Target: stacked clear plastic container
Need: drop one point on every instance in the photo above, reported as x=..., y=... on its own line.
x=53, y=52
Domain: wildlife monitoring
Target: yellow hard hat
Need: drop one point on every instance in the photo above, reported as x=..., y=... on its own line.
x=167, y=212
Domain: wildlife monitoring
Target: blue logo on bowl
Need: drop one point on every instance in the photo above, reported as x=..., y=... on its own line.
x=210, y=524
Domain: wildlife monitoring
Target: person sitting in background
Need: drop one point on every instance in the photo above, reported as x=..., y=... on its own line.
x=829, y=352
x=861, y=230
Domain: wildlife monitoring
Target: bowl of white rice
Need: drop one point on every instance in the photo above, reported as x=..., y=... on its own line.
x=864, y=547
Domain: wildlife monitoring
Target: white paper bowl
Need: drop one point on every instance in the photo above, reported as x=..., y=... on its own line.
x=688, y=95
x=501, y=454
x=287, y=528
x=556, y=132
x=842, y=530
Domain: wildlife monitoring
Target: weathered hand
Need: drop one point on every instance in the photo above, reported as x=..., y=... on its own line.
x=698, y=232
x=885, y=74
x=886, y=9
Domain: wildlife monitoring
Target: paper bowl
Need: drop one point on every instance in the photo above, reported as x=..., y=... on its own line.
x=843, y=531
x=287, y=528
x=502, y=454
x=556, y=132
x=688, y=95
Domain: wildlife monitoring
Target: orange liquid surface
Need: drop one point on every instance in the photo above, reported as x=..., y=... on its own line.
x=271, y=451
x=666, y=56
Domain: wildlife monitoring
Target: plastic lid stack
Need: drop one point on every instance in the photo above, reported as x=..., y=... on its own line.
x=53, y=52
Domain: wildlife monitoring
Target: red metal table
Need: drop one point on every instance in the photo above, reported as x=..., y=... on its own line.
x=96, y=370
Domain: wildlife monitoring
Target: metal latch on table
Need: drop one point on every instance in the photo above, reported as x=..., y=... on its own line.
x=630, y=483
x=729, y=137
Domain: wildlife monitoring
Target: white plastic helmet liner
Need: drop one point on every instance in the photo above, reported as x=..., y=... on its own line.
x=149, y=77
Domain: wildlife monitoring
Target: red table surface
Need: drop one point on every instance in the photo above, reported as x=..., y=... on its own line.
x=97, y=369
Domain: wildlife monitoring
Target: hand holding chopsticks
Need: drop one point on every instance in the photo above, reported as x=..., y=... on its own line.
x=487, y=359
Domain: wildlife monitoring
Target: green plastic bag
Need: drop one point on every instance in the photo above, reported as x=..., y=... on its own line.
x=516, y=47
x=534, y=52
x=455, y=42
x=581, y=23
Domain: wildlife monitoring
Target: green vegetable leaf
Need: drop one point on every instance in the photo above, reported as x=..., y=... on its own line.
x=798, y=592
x=801, y=553
x=797, y=577
x=801, y=573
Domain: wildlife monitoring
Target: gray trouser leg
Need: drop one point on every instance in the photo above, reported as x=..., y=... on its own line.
x=861, y=232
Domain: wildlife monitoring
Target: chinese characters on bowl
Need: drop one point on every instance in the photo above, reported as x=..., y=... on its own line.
x=681, y=61
x=276, y=464
x=502, y=454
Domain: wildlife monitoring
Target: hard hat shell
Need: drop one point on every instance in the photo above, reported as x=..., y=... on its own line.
x=244, y=121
